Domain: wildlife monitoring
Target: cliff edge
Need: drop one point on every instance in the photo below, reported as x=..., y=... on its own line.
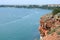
x=50, y=27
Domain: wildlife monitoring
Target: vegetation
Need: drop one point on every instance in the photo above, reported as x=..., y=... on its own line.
x=54, y=30
x=55, y=11
x=58, y=33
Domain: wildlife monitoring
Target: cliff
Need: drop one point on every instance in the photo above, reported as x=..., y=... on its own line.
x=50, y=27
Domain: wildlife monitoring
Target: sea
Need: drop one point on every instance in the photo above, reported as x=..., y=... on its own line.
x=20, y=23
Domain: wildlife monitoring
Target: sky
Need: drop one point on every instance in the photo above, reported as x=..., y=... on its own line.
x=28, y=2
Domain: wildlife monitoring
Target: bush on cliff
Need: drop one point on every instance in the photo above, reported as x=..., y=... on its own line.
x=55, y=11
x=53, y=30
x=58, y=33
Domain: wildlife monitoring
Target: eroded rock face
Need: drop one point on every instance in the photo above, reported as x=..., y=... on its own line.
x=49, y=27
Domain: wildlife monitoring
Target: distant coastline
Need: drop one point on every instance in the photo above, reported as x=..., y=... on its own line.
x=49, y=6
x=21, y=6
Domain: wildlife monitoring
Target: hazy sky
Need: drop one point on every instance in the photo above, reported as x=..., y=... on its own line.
x=22, y=2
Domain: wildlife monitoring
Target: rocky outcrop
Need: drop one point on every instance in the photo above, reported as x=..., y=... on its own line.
x=50, y=27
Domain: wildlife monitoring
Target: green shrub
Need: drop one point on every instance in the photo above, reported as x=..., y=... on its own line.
x=53, y=30
x=55, y=11
x=58, y=33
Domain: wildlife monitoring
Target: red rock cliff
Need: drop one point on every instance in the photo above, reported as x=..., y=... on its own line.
x=50, y=27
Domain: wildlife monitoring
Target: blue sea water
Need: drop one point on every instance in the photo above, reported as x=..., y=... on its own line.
x=20, y=23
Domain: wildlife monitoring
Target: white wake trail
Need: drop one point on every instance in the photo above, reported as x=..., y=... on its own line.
x=17, y=20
